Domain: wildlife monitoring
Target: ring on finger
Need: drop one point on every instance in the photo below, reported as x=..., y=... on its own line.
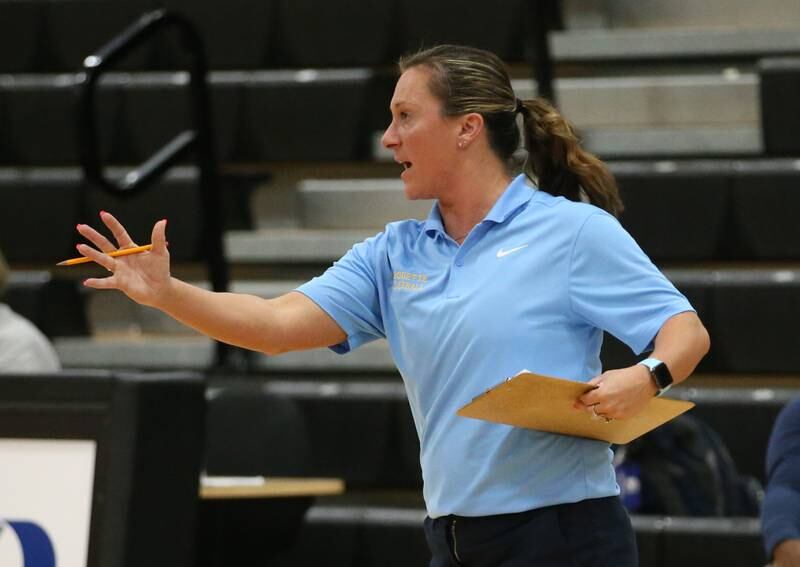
x=600, y=415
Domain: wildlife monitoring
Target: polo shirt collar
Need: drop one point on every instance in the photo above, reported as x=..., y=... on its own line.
x=516, y=195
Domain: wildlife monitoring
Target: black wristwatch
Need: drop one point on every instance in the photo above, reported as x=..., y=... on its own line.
x=659, y=373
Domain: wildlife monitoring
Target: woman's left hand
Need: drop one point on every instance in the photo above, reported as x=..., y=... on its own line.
x=619, y=394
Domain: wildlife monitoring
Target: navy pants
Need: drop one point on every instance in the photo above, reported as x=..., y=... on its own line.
x=592, y=533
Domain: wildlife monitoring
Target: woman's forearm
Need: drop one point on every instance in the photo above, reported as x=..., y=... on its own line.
x=681, y=344
x=271, y=326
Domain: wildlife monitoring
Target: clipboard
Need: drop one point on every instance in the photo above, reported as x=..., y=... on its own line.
x=544, y=403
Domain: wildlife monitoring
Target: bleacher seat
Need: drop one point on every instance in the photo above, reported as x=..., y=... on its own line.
x=303, y=115
x=156, y=109
x=150, y=109
x=364, y=34
x=40, y=120
x=780, y=88
x=372, y=461
x=237, y=36
x=40, y=209
x=674, y=212
x=331, y=542
x=39, y=115
x=250, y=432
x=765, y=203
x=754, y=324
x=622, y=31
x=359, y=535
x=21, y=34
x=738, y=541
x=55, y=305
x=502, y=30
x=54, y=200
x=724, y=409
x=77, y=28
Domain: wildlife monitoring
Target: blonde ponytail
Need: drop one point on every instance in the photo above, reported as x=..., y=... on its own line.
x=558, y=164
x=467, y=80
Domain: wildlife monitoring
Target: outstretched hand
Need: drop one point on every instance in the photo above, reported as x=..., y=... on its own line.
x=142, y=277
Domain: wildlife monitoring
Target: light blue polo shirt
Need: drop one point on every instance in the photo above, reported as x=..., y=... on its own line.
x=532, y=287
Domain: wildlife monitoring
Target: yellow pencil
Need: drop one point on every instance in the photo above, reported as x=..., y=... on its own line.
x=114, y=254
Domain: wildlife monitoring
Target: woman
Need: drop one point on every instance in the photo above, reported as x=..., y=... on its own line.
x=503, y=275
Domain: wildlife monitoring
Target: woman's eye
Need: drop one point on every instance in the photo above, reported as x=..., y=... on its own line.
x=403, y=115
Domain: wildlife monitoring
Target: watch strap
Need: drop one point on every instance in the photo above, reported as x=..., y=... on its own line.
x=660, y=374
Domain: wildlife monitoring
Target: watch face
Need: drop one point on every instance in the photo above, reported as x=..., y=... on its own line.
x=662, y=376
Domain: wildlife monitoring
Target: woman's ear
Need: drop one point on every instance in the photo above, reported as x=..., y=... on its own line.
x=470, y=128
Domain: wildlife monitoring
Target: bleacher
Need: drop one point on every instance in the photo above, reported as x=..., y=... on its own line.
x=691, y=103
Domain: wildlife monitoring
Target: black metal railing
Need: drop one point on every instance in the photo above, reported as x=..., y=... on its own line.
x=546, y=15
x=198, y=141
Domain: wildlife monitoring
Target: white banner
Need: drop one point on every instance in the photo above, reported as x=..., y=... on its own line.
x=45, y=502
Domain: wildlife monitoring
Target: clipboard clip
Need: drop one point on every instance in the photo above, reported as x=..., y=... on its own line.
x=498, y=384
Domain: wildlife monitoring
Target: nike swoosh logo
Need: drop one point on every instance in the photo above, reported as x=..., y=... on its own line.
x=501, y=252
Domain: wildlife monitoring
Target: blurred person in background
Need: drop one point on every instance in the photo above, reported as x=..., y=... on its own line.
x=23, y=347
x=780, y=517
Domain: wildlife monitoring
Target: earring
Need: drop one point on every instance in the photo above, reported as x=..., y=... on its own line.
x=461, y=144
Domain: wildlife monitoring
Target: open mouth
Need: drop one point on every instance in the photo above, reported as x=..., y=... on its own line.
x=406, y=165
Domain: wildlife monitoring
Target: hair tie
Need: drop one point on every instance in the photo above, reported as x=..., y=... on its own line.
x=520, y=106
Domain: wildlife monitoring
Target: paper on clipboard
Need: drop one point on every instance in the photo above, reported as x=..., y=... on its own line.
x=545, y=403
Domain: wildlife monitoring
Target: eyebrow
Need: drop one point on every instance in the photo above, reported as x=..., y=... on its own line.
x=400, y=103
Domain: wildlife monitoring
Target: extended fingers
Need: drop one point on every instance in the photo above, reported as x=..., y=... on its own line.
x=159, y=236
x=95, y=255
x=101, y=283
x=96, y=238
x=120, y=234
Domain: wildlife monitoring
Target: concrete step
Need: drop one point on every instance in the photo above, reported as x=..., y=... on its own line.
x=153, y=352
x=135, y=352
x=342, y=204
x=665, y=44
x=686, y=141
x=725, y=98
x=291, y=245
x=587, y=14
x=356, y=203
x=670, y=115
x=661, y=142
x=113, y=314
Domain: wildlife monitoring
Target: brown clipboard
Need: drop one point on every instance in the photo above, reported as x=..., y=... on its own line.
x=545, y=403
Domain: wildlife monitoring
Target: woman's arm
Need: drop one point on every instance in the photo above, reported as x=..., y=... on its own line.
x=272, y=326
x=289, y=322
x=680, y=343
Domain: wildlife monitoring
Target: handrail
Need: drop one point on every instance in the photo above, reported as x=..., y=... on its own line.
x=199, y=140
x=544, y=13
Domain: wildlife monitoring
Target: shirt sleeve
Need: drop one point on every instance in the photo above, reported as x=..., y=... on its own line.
x=348, y=292
x=780, y=516
x=615, y=287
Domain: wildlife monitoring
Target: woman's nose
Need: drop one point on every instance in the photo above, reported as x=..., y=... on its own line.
x=389, y=139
